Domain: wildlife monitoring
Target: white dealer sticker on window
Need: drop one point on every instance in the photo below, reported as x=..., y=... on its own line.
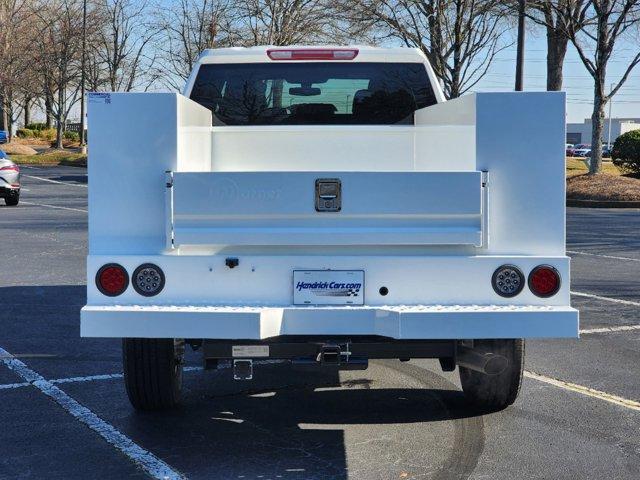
x=328, y=287
x=96, y=97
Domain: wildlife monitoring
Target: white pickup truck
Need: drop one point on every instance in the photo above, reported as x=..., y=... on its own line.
x=325, y=206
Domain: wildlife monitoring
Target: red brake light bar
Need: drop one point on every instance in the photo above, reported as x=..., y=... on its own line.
x=313, y=54
x=14, y=168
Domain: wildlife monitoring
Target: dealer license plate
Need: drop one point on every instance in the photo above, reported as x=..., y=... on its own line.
x=328, y=287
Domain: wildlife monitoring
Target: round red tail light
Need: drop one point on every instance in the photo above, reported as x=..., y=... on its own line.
x=544, y=281
x=112, y=279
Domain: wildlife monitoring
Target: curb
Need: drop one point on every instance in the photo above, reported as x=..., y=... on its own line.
x=574, y=202
x=53, y=164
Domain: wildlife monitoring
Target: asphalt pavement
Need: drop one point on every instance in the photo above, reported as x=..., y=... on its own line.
x=577, y=417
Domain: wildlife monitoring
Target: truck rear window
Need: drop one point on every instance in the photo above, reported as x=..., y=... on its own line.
x=313, y=93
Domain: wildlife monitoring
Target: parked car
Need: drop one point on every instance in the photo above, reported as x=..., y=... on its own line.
x=4, y=136
x=606, y=151
x=9, y=180
x=318, y=203
x=568, y=149
x=582, y=152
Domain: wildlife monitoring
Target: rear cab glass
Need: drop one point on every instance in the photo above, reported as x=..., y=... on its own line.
x=323, y=93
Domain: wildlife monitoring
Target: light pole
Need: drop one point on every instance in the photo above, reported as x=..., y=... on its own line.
x=83, y=142
x=520, y=53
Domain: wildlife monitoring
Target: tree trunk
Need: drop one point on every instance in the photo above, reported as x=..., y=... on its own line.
x=48, y=109
x=27, y=112
x=60, y=118
x=3, y=114
x=556, y=51
x=597, y=124
x=9, y=122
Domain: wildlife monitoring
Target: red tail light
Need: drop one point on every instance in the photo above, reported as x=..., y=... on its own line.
x=13, y=168
x=544, y=281
x=112, y=279
x=313, y=54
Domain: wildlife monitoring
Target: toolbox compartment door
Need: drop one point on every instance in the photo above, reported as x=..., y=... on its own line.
x=287, y=208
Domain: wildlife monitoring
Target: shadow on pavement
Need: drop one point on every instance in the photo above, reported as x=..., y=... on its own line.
x=293, y=425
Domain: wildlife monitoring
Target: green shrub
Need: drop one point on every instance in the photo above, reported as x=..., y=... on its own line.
x=25, y=133
x=626, y=152
x=36, y=126
x=72, y=136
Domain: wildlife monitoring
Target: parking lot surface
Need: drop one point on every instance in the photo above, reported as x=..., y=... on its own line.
x=64, y=411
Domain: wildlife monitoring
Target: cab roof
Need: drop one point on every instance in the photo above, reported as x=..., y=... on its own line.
x=259, y=54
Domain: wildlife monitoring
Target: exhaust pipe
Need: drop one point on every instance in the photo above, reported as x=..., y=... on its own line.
x=483, y=362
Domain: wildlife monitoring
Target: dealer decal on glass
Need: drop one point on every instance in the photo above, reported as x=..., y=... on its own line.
x=328, y=287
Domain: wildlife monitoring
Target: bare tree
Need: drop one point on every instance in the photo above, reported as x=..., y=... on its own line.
x=459, y=37
x=604, y=23
x=122, y=43
x=189, y=27
x=59, y=51
x=557, y=17
x=15, y=74
x=284, y=22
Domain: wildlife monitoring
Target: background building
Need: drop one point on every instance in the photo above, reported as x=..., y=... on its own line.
x=581, y=132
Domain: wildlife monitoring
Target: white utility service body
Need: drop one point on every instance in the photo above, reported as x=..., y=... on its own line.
x=426, y=213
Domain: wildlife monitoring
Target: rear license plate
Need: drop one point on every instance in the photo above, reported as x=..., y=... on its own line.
x=328, y=287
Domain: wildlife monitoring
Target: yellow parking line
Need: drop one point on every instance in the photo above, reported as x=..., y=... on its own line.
x=589, y=392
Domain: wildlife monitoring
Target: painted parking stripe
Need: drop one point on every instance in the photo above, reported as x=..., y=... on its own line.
x=55, y=206
x=56, y=181
x=612, y=257
x=151, y=464
x=9, y=386
x=111, y=376
x=589, y=392
x=107, y=376
x=621, y=328
x=606, y=299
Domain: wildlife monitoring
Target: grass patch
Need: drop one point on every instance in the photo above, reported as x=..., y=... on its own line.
x=55, y=157
x=575, y=166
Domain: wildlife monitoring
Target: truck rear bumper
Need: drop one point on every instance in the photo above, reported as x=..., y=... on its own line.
x=397, y=322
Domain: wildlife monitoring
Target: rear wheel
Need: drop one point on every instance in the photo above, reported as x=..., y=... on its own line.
x=495, y=392
x=12, y=200
x=153, y=372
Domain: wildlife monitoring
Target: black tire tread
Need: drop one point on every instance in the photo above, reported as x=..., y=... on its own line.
x=149, y=373
x=12, y=200
x=496, y=392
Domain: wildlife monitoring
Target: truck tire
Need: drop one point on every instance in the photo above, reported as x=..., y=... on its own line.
x=12, y=200
x=495, y=392
x=153, y=372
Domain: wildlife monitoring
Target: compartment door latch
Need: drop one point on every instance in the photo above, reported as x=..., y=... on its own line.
x=328, y=195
